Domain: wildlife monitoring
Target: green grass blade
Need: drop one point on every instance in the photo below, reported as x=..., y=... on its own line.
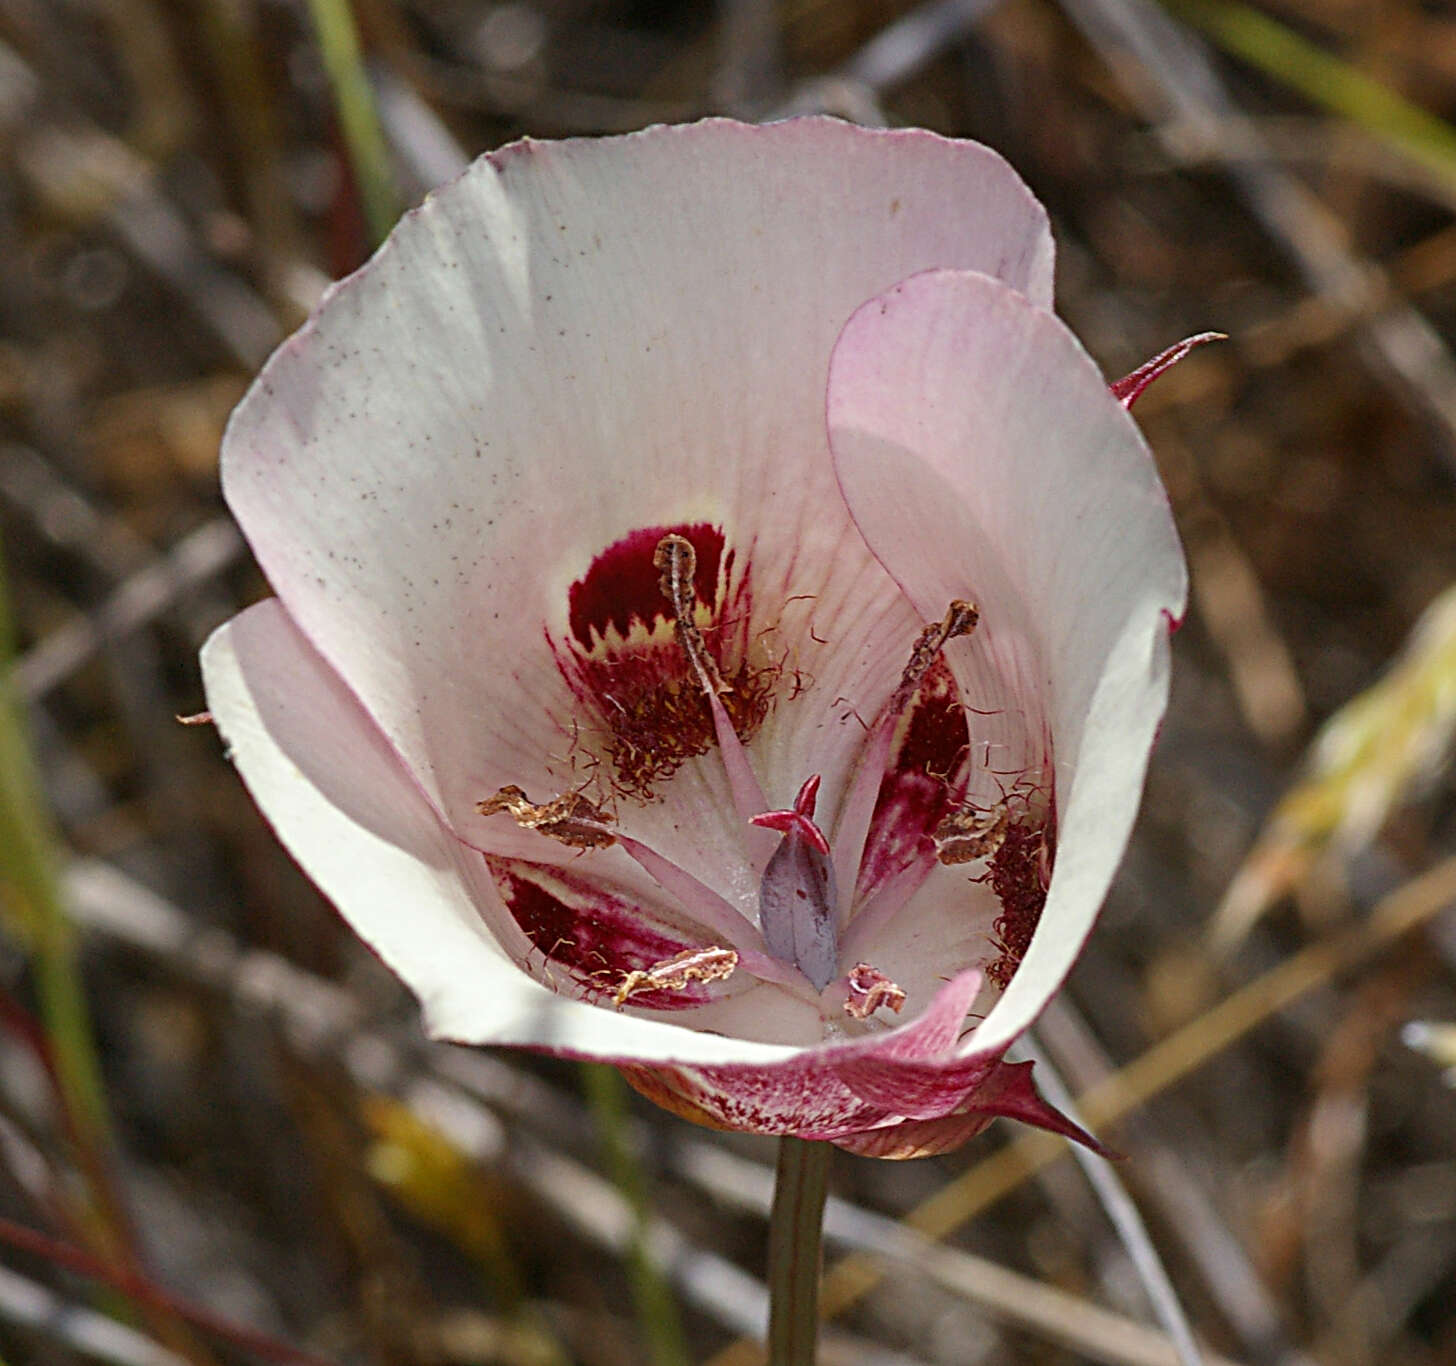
x=1325, y=80
x=31, y=903
x=338, y=37
x=657, y=1310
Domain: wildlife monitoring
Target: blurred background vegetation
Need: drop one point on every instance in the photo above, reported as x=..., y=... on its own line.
x=222, y=1136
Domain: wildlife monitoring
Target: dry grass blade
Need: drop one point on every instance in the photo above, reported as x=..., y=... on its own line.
x=1049, y=1314
x=1231, y=602
x=1436, y=1041
x=1169, y=73
x=1185, y=1190
x=74, y=1328
x=1367, y=758
x=319, y=1019
x=152, y=590
x=1118, y=1204
x=890, y=58
x=1403, y=126
x=314, y=1014
x=1167, y=1062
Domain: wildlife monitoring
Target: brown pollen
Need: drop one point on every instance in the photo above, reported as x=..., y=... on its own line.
x=570, y=819
x=1018, y=876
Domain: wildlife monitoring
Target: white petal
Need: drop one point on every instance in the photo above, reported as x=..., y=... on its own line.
x=983, y=457
x=944, y=927
x=574, y=341
x=350, y=813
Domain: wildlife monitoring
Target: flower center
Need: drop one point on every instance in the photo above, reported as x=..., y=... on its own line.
x=667, y=668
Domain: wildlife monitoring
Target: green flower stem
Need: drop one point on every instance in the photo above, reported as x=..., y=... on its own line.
x=794, y=1237
x=657, y=1310
x=338, y=39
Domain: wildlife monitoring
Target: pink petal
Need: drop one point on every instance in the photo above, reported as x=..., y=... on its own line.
x=903, y=1093
x=983, y=457
x=1007, y=1092
x=916, y=1137
x=572, y=342
x=837, y=1088
x=1011, y=1094
x=351, y=814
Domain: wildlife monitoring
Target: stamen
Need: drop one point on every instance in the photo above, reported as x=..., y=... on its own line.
x=859, y=804
x=796, y=901
x=570, y=818
x=869, y=989
x=676, y=562
x=673, y=974
x=960, y=620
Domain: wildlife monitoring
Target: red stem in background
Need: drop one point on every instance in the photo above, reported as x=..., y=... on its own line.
x=138, y=1288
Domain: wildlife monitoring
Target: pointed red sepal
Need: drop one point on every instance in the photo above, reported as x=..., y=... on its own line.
x=1129, y=388
x=1011, y=1093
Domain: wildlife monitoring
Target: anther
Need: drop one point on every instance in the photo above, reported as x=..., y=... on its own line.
x=676, y=562
x=969, y=834
x=673, y=974
x=570, y=818
x=868, y=989
x=960, y=620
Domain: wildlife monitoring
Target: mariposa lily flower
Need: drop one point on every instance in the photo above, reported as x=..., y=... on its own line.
x=721, y=620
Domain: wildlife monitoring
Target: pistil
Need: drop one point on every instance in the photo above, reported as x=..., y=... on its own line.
x=796, y=900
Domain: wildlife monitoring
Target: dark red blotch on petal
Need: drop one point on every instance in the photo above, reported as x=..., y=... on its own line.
x=622, y=584
x=623, y=657
x=923, y=781
x=937, y=739
x=1019, y=874
x=593, y=938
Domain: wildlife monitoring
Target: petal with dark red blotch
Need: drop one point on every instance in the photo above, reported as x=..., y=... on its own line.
x=983, y=457
x=575, y=341
x=350, y=813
